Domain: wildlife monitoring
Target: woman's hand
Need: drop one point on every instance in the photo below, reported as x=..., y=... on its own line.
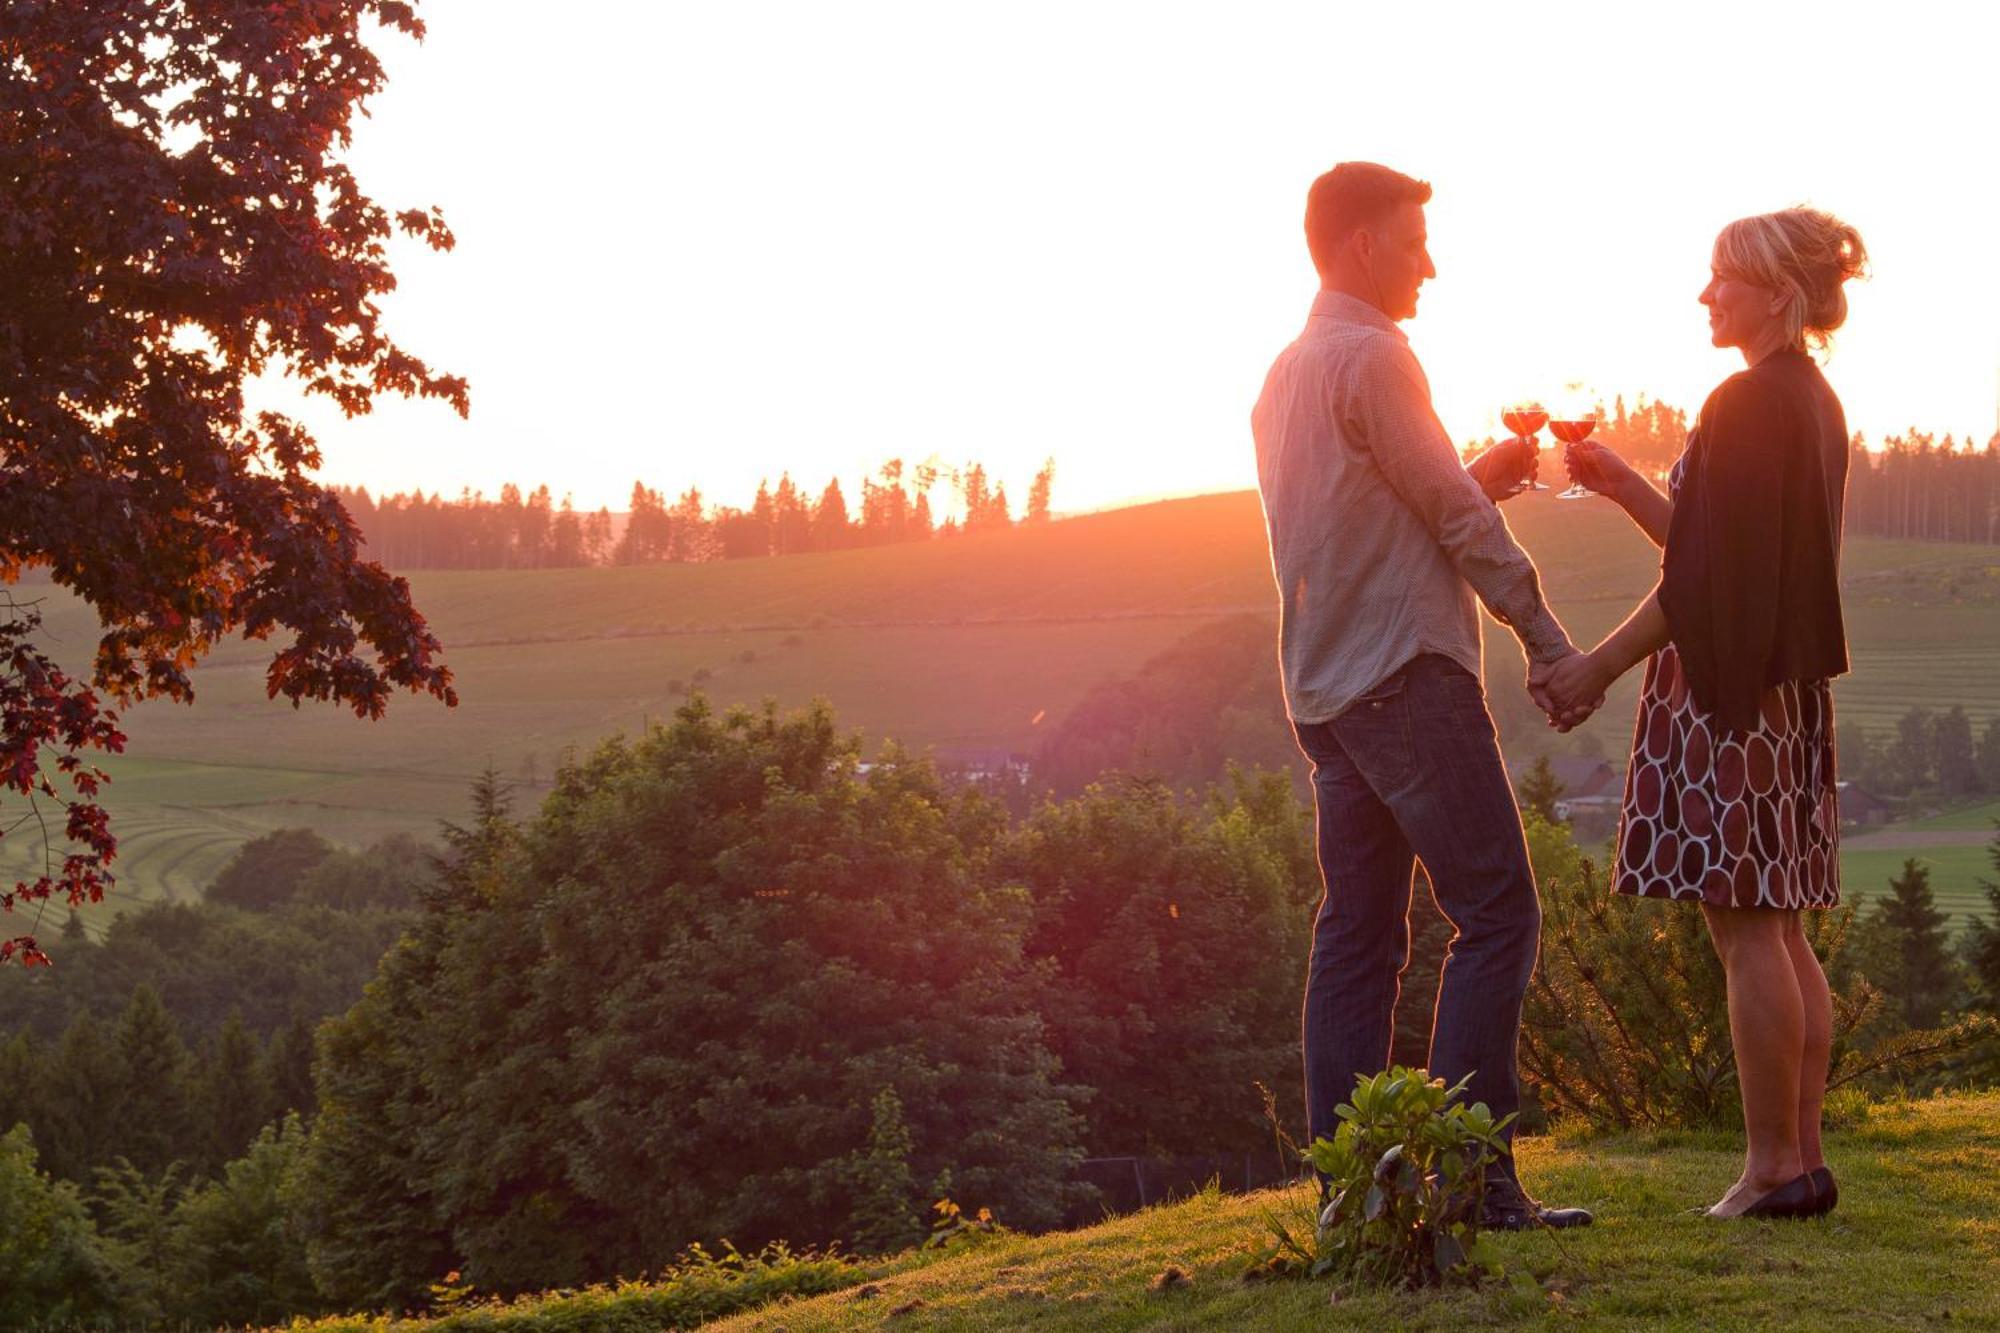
x=1571, y=688
x=1597, y=466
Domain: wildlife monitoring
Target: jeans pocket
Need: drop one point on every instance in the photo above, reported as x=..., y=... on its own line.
x=1375, y=732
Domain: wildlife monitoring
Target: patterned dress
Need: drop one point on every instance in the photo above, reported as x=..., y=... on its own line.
x=1732, y=818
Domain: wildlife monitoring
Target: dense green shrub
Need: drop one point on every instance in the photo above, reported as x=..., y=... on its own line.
x=1177, y=935
x=1627, y=1019
x=663, y=1011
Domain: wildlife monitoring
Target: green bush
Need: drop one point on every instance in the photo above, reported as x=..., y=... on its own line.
x=1627, y=1020
x=1405, y=1173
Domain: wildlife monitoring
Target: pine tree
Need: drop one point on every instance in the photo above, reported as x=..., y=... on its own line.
x=156, y=1121
x=77, y=1113
x=1982, y=941
x=1038, y=494
x=830, y=528
x=235, y=1095
x=1921, y=982
x=288, y=1068
x=1539, y=789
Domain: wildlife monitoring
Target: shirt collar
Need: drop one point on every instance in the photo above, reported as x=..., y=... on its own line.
x=1330, y=304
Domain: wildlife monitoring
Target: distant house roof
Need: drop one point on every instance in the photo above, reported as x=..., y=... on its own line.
x=1855, y=798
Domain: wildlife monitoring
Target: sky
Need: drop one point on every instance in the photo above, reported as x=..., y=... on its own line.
x=705, y=244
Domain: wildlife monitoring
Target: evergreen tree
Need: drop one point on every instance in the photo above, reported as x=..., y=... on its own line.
x=830, y=528
x=235, y=1092
x=20, y=1079
x=1918, y=976
x=566, y=538
x=1982, y=942
x=78, y=1111
x=791, y=519
x=156, y=1120
x=287, y=1068
x=1539, y=789
x=1038, y=494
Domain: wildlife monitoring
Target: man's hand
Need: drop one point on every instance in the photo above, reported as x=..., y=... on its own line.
x=1569, y=689
x=1501, y=468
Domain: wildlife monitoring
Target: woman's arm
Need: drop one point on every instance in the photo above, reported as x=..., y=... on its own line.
x=1606, y=473
x=1577, y=683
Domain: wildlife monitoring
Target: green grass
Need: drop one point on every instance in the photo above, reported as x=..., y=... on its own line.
x=1915, y=1243
x=1980, y=818
x=982, y=641
x=1916, y=1239
x=1955, y=873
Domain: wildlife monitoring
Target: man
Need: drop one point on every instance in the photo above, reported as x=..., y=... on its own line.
x=1380, y=540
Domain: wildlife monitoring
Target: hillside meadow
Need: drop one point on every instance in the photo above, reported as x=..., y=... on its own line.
x=1914, y=1244
x=973, y=642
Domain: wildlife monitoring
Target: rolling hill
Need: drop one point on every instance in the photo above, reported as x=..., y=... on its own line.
x=969, y=642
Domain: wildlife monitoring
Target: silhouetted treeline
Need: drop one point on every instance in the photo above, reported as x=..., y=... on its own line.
x=534, y=532
x=1922, y=488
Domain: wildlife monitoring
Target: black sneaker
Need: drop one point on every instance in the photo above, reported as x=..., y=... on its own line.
x=1508, y=1208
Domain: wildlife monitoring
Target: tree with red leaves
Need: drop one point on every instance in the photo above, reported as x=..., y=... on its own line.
x=175, y=219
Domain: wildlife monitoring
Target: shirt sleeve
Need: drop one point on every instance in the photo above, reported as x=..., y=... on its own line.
x=1413, y=452
x=1720, y=588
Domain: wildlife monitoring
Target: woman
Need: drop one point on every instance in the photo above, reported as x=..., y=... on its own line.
x=1729, y=797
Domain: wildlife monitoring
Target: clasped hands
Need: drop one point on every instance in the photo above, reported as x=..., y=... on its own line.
x=1569, y=689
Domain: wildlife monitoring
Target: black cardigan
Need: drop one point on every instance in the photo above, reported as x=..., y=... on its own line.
x=1750, y=576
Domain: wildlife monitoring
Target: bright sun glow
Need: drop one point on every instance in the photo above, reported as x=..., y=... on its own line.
x=706, y=244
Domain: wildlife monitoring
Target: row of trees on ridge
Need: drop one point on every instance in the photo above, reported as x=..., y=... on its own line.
x=534, y=532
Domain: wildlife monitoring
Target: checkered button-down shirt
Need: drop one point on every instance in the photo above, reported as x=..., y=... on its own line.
x=1380, y=539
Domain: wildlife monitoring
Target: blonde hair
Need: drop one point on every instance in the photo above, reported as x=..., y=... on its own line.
x=1804, y=252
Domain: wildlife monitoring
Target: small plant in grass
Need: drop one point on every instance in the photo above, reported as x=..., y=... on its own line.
x=953, y=1230
x=1404, y=1175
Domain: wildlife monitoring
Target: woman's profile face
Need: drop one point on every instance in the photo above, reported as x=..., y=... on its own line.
x=1740, y=313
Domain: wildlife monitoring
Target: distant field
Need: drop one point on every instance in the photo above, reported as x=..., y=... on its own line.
x=1955, y=875
x=978, y=641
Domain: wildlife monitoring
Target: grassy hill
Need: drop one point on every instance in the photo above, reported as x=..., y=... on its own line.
x=1914, y=1244
x=980, y=641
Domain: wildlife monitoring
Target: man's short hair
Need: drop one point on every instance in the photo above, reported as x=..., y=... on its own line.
x=1351, y=196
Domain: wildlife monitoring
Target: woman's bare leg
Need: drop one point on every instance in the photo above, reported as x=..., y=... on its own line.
x=1767, y=1023
x=1817, y=1055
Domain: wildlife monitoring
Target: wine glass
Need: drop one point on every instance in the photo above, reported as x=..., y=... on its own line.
x=1525, y=419
x=1574, y=430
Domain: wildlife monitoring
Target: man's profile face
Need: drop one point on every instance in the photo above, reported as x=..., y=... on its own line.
x=1399, y=259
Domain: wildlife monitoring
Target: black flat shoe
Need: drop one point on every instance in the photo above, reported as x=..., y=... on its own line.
x=1826, y=1189
x=1508, y=1208
x=1794, y=1198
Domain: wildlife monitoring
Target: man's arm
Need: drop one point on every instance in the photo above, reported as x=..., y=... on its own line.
x=1415, y=454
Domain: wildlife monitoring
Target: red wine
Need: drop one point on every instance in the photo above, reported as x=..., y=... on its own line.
x=1524, y=420
x=1573, y=431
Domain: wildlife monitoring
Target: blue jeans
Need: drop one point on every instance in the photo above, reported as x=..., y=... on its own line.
x=1410, y=772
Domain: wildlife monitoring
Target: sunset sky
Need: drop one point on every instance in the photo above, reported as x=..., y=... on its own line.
x=709, y=243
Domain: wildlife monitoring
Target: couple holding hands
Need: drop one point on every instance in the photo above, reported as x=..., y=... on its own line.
x=1383, y=543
